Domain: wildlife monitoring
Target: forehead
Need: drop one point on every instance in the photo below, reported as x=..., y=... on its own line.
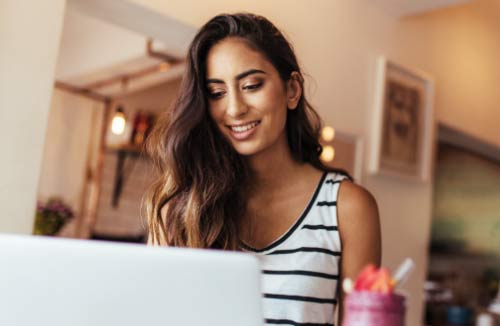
x=231, y=56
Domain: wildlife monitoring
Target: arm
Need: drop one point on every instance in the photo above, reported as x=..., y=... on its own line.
x=359, y=229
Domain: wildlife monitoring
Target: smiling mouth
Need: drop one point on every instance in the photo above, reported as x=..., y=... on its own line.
x=245, y=127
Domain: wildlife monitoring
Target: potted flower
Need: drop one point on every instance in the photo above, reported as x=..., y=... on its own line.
x=51, y=216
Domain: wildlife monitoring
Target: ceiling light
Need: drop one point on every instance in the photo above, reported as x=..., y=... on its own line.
x=119, y=121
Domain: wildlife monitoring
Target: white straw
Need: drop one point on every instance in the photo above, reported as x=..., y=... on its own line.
x=347, y=285
x=403, y=271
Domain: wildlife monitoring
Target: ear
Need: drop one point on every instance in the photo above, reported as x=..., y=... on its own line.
x=294, y=90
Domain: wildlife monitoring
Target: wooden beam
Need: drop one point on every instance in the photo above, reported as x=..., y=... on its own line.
x=125, y=78
x=81, y=91
x=160, y=55
x=94, y=202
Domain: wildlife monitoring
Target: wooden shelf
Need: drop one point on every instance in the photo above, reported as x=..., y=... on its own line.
x=129, y=148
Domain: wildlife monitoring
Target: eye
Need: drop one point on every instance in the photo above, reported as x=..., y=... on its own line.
x=215, y=95
x=253, y=86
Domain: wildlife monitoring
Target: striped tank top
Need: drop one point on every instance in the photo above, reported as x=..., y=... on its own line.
x=300, y=270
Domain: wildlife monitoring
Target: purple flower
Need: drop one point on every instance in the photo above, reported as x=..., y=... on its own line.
x=55, y=206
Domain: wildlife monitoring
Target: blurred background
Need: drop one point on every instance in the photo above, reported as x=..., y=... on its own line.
x=83, y=81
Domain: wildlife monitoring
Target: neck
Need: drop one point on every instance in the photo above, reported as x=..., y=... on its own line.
x=272, y=167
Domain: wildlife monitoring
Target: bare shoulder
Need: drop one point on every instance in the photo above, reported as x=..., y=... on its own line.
x=359, y=226
x=354, y=200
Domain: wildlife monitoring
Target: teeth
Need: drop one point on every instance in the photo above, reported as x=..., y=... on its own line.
x=245, y=127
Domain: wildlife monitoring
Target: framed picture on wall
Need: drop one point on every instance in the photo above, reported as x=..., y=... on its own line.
x=403, y=122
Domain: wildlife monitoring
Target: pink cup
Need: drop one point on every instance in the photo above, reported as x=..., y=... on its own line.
x=365, y=308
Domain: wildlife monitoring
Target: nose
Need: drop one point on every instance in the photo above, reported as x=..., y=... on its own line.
x=236, y=105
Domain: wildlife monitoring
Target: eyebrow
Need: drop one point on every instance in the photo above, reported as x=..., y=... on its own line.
x=238, y=76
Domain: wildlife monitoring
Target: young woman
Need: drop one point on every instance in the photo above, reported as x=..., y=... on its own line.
x=238, y=156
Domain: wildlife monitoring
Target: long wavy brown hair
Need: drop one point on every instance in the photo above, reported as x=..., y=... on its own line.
x=199, y=198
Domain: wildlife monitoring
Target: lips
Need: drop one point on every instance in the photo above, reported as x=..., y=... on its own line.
x=243, y=131
x=244, y=127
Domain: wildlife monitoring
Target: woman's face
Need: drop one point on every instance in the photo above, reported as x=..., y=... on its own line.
x=247, y=98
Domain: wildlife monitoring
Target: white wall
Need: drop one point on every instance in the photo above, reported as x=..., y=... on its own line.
x=410, y=7
x=29, y=42
x=96, y=45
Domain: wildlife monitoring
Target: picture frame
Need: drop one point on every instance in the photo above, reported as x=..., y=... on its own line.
x=403, y=122
x=348, y=153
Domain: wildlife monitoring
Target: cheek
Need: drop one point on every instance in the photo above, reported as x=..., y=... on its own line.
x=275, y=105
x=271, y=101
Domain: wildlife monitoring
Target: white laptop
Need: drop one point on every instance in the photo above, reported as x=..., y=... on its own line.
x=51, y=281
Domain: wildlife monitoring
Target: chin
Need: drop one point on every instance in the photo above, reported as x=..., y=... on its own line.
x=254, y=146
x=249, y=148
x=246, y=150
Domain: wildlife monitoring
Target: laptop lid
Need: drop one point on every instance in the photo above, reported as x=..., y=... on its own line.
x=54, y=281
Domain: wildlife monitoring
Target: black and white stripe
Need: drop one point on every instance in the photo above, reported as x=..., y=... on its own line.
x=327, y=203
x=332, y=301
x=293, y=323
x=302, y=273
x=305, y=249
x=320, y=227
